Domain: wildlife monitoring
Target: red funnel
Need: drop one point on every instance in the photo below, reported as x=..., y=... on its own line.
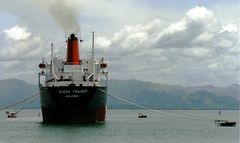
x=72, y=51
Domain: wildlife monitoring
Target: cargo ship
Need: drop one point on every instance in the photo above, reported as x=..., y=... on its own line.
x=73, y=90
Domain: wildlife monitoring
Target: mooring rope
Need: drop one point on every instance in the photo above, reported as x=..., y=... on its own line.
x=27, y=104
x=19, y=102
x=158, y=111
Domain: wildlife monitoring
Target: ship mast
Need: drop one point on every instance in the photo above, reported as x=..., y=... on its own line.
x=52, y=58
x=93, y=74
x=93, y=45
x=52, y=64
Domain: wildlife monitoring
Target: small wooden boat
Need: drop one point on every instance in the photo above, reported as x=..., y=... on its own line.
x=12, y=115
x=140, y=115
x=225, y=123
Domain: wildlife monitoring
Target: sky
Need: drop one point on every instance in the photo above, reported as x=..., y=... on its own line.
x=178, y=42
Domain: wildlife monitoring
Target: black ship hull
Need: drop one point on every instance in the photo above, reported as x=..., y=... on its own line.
x=73, y=104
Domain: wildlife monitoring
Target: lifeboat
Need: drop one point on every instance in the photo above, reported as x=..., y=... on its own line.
x=42, y=65
x=103, y=64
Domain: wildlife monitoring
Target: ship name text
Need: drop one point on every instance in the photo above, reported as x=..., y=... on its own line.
x=76, y=91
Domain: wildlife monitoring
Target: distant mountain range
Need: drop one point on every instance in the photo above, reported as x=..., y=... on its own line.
x=14, y=90
x=152, y=95
x=163, y=96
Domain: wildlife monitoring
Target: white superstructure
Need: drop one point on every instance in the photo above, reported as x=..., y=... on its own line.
x=60, y=72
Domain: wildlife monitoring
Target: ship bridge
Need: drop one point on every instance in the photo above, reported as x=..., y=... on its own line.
x=73, y=71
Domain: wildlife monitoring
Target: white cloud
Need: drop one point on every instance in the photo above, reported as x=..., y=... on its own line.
x=20, y=53
x=20, y=44
x=200, y=14
x=204, y=37
x=231, y=28
x=175, y=48
x=131, y=37
x=102, y=42
x=17, y=33
x=196, y=53
x=183, y=52
x=213, y=66
x=193, y=29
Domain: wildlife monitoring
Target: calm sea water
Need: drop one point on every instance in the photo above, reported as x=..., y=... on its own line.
x=122, y=126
